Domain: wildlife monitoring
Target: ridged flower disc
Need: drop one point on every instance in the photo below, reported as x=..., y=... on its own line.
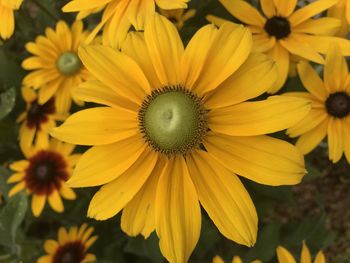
x=68, y=63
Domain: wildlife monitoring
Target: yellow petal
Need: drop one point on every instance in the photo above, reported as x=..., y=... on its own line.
x=257, y=118
x=281, y=56
x=55, y=201
x=165, y=48
x=244, y=12
x=98, y=126
x=16, y=177
x=335, y=139
x=263, y=42
x=102, y=164
x=224, y=198
x=240, y=86
x=50, y=246
x=236, y=260
x=89, y=258
x=114, y=196
x=7, y=25
x=284, y=256
x=67, y=192
x=19, y=166
x=62, y=236
x=78, y=5
x=48, y=91
x=116, y=70
x=263, y=159
x=38, y=203
x=321, y=26
x=285, y=8
x=172, y=4
x=218, y=259
x=178, y=226
x=90, y=242
x=28, y=94
x=17, y=188
x=268, y=7
x=45, y=259
x=218, y=21
x=305, y=254
x=346, y=133
x=320, y=258
x=321, y=43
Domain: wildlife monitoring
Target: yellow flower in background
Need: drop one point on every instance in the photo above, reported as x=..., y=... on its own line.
x=37, y=120
x=164, y=106
x=43, y=175
x=72, y=246
x=56, y=67
x=178, y=16
x=284, y=256
x=330, y=113
x=235, y=259
x=285, y=30
x=341, y=11
x=119, y=15
x=7, y=18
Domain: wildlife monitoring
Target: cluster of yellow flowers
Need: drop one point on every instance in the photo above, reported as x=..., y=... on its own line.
x=178, y=124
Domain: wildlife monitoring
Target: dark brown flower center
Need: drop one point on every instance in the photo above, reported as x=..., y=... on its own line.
x=38, y=114
x=277, y=26
x=338, y=104
x=73, y=252
x=46, y=171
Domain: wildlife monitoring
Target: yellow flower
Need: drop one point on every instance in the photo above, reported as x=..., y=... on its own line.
x=37, y=119
x=284, y=256
x=71, y=246
x=119, y=15
x=43, y=174
x=7, y=25
x=178, y=16
x=235, y=259
x=176, y=128
x=284, y=31
x=330, y=113
x=56, y=67
x=341, y=11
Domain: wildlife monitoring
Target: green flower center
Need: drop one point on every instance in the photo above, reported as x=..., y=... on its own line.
x=68, y=63
x=173, y=120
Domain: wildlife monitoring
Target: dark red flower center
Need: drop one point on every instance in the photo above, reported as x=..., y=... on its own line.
x=73, y=252
x=277, y=26
x=45, y=172
x=338, y=104
x=38, y=114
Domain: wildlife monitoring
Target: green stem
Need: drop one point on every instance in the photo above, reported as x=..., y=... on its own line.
x=44, y=9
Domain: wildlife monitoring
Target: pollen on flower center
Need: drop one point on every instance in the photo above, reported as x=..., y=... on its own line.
x=173, y=120
x=277, y=26
x=68, y=63
x=338, y=104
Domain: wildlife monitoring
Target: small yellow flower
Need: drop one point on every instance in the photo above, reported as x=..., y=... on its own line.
x=119, y=15
x=175, y=131
x=284, y=256
x=43, y=174
x=236, y=259
x=71, y=246
x=7, y=24
x=57, y=69
x=178, y=16
x=341, y=11
x=37, y=119
x=286, y=30
x=330, y=113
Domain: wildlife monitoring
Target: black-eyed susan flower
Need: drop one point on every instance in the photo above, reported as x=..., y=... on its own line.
x=341, y=11
x=178, y=16
x=37, y=119
x=286, y=30
x=330, y=113
x=119, y=15
x=7, y=18
x=56, y=67
x=43, y=175
x=235, y=259
x=284, y=256
x=175, y=130
x=71, y=246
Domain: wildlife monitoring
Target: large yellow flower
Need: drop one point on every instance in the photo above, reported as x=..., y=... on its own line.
x=235, y=259
x=284, y=256
x=56, y=67
x=37, y=119
x=7, y=25
x=176, y=128
x=284, y=31
x=330, y=113
x=119, y=15
x=71, y=246
x=43, y=174
x=341, y=11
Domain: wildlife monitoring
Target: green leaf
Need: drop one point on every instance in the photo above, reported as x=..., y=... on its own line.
x=7, y=102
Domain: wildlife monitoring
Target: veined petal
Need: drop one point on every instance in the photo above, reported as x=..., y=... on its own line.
x=241, y=86
x=335, y=139
x=263, y=159
x=102, y=164
x=321, y=26
x=321, y=43
x=285, y=8
x=305, y=254
x=268, y=7
x=116, y=70
x=261, y=117
x=281, y=56
x=284, y=256
x=98, y=126
x=114, y=196
x=79, y=5
x=224, y=198
x=172, y=4
x=178, y=226
x=263, y=42
x=55, y=201
x=165, y=48
x=244, y=12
